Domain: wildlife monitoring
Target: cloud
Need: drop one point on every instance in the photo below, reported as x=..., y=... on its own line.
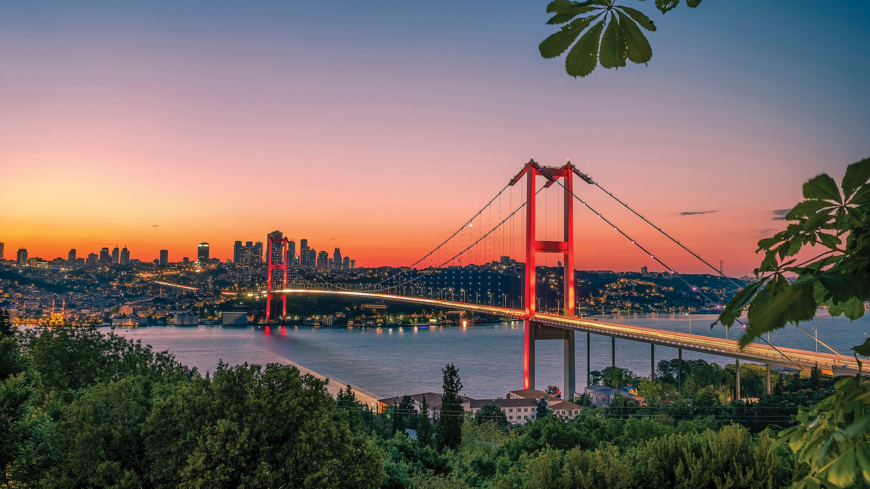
x=779, y=214
x=147, y=236
x=154, y=226
x=696, y=213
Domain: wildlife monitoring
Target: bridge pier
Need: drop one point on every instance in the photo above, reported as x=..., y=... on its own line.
x=613, y=351
x=570, y=380
x=529, y=355
x=679, y=370
x=588, y=361
x=737, y=395
x=768, y=379
x=652, y=362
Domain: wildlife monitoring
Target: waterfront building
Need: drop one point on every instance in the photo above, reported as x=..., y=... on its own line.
x=22, y=256
x=202, y=252
x=125, y=256
x=164, y=257
x=71, y=256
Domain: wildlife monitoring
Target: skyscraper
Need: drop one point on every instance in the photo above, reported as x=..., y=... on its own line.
x=336, y=259
x=2, y=246
x=291, y=253
x=92, y=259
x=202, y=252
x=125, y=256
x=257, y=253
x=353, y=264
x=345, y=263
x=164, y=257
x=238, y=251
x=71, y=256
x=22, y=256
x=185, y=260
x=105, y=257
x=323, y=260
x=116, y=256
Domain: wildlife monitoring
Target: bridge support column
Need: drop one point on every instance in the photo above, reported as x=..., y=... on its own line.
x=613, y=351
x=679, y=370
x=768, y=379
x=529, y=356
x=652, y=362
x=569, y=367
x=737, y=394
x=588, y=361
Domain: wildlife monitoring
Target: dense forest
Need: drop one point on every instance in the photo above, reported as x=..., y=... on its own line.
x=85, y=409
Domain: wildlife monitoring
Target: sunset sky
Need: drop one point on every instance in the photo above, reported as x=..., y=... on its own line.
x=381, y=126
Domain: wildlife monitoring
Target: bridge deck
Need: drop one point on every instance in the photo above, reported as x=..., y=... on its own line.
x=755, y=352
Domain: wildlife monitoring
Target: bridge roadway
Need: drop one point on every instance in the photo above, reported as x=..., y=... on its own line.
x=754, y=352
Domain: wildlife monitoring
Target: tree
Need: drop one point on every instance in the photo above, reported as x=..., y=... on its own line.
x=490, y=413
x=554, y=391
x=425, y=430
x=779, y=386
x=833, y=436
x=543, y=409
x=617, y=377
x=816, y=377
x=448, y=432
x=6, y=328
x=610, y=46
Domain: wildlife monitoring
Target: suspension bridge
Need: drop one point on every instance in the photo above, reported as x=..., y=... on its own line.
x=511, y=229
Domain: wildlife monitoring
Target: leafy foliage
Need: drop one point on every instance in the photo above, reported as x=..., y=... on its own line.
x=833, y=436
x=622, y=37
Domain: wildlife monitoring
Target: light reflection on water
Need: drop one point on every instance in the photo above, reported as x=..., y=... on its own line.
x=394, y=361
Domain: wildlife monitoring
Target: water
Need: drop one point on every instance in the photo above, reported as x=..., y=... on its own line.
x=397, y=361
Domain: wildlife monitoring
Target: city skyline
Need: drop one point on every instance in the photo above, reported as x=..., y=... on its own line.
x=119, y=120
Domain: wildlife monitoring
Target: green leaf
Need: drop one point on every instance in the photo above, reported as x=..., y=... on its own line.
x=862, y=453
x=639, y=17
x=857, y=174
x=734, y=308
x=863, y=350
x=806, y=208
x=570, y=14
x=560, y=6
x=778, y=304
x=693, y=3
x=822, y=187
x=612, y=53
x=637, y=47
x=666, y=5
x=584, y=55
x=844, y=287
x=557, y=43
x=854, y=308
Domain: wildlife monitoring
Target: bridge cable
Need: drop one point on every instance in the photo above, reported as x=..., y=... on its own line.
x=669, y=269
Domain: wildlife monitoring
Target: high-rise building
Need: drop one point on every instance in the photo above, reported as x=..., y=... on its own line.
x=257, y=253
x=185, y=260
x=644, y=270
x=238, y=251
x=92, y=259
x=164, y=257
x=2, y=246
x=22, y=256
x=310, y=257
x=323, y=260
x=291, y=253
x=105, y=257
x=125, y=256
x=336, y=258
x=116, y=256
x=303, y=244
x=202, y=252
x=345, y=262
x=353, y=264
x=71, y=256
x=276, y=250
